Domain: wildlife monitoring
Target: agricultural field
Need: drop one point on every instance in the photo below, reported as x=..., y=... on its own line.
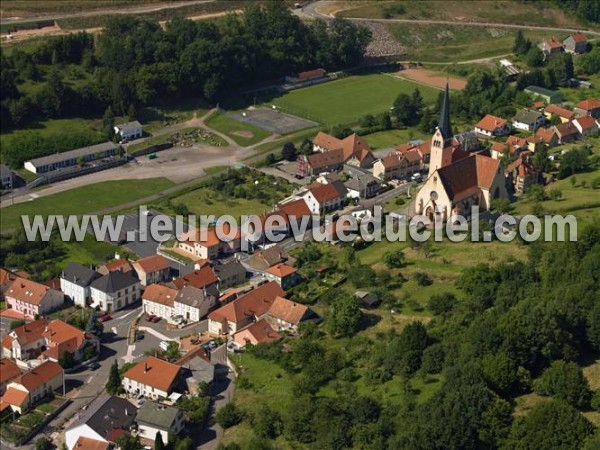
x=509, y=12
x=242, y=133
x=448, y=43
x=346, y=100
x=86, y=199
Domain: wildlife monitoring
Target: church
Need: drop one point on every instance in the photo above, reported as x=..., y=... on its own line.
x=457, y=179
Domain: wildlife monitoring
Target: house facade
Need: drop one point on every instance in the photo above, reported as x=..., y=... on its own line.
x=193, y=303
x=130, y=130
x=152, y=378
x=159, y=300
x=587, y=125
x=588, y=107
x=75, y=283
x=32, y=299
x=528, y=120
x=9, y=370
x=576, y=43
x=115, y=291
x=492, y=126
x=154, y=418
x=287, y=276
x=153, y=269
x=323, y=198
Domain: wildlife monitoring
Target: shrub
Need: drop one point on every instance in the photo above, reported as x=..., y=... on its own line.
x=228, y=416
x=423, y=279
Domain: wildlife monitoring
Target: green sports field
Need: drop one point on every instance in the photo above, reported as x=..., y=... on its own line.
x=347, y=100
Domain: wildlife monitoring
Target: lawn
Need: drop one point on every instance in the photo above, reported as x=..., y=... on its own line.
x=169, y=112
x=206, y=201
x=86, y=199
x=89, y=252
x=447, y=43
x=510, y=12
x=243, y=134
x=391, y=138
x=346, y=100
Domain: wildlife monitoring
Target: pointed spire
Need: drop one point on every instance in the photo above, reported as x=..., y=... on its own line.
x=444, y=123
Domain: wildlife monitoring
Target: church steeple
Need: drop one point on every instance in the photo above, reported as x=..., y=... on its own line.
x=444, y=123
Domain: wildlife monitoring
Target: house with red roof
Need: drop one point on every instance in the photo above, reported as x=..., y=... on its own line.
x=521, y=173
x=322, y=198
x=9, y=370
x=159, y=300
x=492, y=126
x=117, y=265
x=228, y=319
x=551, y=46
x=546, y=136
x=587, y=125
x=566, y=132
x=557, y=111
x=286, y=314
x=259, y=332
x=576, y=43
x=588, y=107
x=153, y=378
x=30, y=298
x=210, y=243
x=30, y=388
x=153, y=269
x=396, y=165
x=284, y=274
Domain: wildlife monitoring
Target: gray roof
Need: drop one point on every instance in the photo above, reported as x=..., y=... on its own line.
x=340, y=188
x=79, y=275
x=541, y=90
x=191, y=296
x=361, y=182
x=157, y=415
x=199, y=370
x=114, y=281
x=229, y=269
x=83, y=151
x=527, y=116
x=107, y=414
x=129, y=126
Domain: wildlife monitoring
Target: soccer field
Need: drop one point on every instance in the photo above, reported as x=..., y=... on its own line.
x=347, y=100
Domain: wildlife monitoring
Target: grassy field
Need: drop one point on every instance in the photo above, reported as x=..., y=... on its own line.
x=86, y=199
x=89, y=252
x=391, y=138
x=447, y=43
x=576, y=95
x=510, y=12
x=243, y=134
x=348, y=99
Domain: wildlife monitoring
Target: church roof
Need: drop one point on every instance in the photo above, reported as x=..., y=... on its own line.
x=444, y=123
x=463, y=177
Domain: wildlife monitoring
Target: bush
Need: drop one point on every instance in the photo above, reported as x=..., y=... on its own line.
x=423, y=279
x=564, y=380
x=228, y=416
x=394, y=259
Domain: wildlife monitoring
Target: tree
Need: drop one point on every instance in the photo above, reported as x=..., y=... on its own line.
x=521, y=45
x=534, y=57
x=267, y=423
x=556, y=194
x=433, y=359
x=593, y=331
x=385, y=121
x=128, y=442
x=131, y=112
x=289, y=151
x=228, y=416
x=441, y=304
x=368, y=121
x=113, y=384
x=551, y=424
x=502, y=205
x=43, y=443
x=108, y=122
x=540, y=160
x=344, y=315
x=158, y=442
x=66, y=360
x=565, y=381
x=394, y=259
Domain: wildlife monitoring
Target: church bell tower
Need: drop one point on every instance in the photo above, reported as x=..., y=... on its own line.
x=441, y=150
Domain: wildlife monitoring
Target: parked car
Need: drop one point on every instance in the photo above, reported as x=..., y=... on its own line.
x=156, y=319
x=94, y=366
x=150, y=317
x=139, y=336
x=105, y=318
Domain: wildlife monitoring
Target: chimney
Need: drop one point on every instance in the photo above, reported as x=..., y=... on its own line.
x=145, y=367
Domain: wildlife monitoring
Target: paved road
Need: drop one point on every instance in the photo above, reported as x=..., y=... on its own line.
x=312, y=10
x=115, y=11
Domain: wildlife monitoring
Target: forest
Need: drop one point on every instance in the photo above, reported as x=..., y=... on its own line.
x=133, y=62
x=518, y=328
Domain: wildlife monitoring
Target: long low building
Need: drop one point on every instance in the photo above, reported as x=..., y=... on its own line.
x=71, y=158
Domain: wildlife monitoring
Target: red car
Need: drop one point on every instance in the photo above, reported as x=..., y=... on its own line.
x=156, y=319
x=150, y=317
x=105, y=318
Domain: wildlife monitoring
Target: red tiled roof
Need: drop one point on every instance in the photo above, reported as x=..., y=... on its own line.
x=545, y=135
x=588, y=104
x=350, y=146
x=152, y=263
x=121, y=264
x=559, y=111
x=323, y=192
x=38, y=376
x=84, y=443
x=554, y=43
x=159, y=294
x=281, y=270
x=27, y=291
x=327, y=141
x=579, y=37
x=26, y=334
x=391, y=160
x=208, y=237
x=587, y=122
x=287, y=310
x=499, y=147
x=468, y=174
x=8, y=370
x=254, y=303
x=261, y=331
x=154, y=372
x=565, y=129
x=13, y=396
x=62, y=337
x=311, y=73
x=325, y=159
x=491, y=123
x=198, y=279
x=297, y=208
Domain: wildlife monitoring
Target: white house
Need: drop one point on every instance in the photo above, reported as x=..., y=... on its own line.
x=129, y=130
x=492, y=126
x=193, y=303
x=75, y=283
x=104, y=418
x=158, y=300
x=528, y=120
x=153, y=418
x=114, y=291
x=321, y=198
x=152, y=377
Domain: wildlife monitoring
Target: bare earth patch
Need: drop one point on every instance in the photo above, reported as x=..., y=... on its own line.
x=592, y=375
x=244, y=133
x=432, y=78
